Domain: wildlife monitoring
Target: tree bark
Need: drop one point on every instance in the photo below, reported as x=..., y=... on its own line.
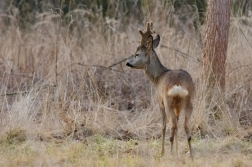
x=215, y=53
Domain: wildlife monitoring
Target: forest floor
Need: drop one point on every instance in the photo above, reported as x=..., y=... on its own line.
x=98, y=150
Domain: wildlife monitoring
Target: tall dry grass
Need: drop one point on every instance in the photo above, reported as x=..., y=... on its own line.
x=57, y=80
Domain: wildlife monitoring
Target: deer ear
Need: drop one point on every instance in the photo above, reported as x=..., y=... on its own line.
x=149, y=42
x=156, y=41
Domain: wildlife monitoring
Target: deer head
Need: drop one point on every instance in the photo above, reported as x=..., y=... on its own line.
x=147, y=45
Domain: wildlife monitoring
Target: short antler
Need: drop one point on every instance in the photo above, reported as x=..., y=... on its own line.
x=149, y=31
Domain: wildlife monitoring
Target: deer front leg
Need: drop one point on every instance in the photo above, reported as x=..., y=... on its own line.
x=164, y=120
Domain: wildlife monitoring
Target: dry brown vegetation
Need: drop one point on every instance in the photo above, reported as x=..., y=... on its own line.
x=65, y=103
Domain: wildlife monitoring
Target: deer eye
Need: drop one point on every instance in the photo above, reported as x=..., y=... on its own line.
x=136, y=55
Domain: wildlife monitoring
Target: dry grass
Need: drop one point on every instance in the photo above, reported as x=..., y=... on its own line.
x=101, y=151
x=92, y=115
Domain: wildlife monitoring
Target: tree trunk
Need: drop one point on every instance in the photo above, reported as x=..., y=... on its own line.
x=215, y=53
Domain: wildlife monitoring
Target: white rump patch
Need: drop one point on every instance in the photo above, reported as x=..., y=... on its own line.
x=177, y=90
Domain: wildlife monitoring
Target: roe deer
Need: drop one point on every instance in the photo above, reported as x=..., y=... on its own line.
x=175, y=88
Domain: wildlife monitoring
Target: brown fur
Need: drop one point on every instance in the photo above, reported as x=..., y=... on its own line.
x=178, y=82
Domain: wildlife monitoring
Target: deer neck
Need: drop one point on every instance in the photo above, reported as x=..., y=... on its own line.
x=155, y=69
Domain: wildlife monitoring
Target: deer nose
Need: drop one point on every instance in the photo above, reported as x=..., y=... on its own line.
x=129, y=65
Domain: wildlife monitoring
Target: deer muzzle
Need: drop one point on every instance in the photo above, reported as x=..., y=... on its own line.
x=129, y=65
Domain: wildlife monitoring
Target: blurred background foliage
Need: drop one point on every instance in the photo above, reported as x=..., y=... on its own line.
x=26, y=11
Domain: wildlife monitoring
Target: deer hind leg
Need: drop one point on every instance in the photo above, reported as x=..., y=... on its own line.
x=188, y=113
x=174, y=131
x=173, y=118
x=177, y=112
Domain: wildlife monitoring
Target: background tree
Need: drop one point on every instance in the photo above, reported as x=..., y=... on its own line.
x=215, y=53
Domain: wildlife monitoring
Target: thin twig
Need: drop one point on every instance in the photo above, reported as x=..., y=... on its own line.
x=244, y=36
x=108, y=68
x=119, y=62
x=18, y=75
x=28, y=91
x=57, y=47
x=85, y=65
x=183, y=54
